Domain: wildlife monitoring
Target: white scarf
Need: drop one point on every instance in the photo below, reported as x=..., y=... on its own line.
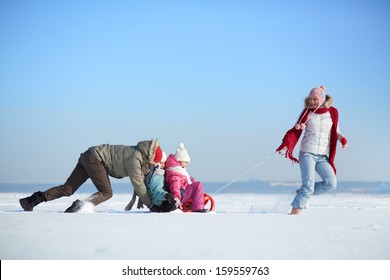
x=158, y=171
x=182, y=171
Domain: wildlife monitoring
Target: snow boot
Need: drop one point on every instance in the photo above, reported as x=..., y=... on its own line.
x=75, y=207
x=155, y=209
x=168, y=207
x=28, y=203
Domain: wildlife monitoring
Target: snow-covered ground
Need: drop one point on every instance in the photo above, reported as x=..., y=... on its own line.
x=244, y=226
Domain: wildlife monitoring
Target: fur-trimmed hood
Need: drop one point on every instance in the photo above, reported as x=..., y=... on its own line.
x=148, y=149
x=327, y=104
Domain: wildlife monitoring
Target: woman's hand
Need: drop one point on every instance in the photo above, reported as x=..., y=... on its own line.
x=344, y=142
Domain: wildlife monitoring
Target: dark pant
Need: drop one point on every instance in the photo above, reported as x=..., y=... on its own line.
x=87, y=167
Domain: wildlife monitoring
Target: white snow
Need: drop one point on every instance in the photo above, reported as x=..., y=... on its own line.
x=244, y=227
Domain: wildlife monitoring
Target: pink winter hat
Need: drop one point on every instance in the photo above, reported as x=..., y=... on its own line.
x=319, y=93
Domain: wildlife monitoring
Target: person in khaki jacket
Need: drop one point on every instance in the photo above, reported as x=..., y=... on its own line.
x=98, y=163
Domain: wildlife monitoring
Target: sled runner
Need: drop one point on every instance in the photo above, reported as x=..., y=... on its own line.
x=186, y=207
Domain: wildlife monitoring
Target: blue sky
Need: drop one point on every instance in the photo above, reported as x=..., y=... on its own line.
x=227, y=78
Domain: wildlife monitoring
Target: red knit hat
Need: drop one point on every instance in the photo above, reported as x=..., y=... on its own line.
x=158, y=155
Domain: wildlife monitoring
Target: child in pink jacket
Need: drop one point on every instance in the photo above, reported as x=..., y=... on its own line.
x=180, y=184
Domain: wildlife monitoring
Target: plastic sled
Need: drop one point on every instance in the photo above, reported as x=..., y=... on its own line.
x=186, y=207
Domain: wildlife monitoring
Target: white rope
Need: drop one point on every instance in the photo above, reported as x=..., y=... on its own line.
x=246, y=172
x=310, y=115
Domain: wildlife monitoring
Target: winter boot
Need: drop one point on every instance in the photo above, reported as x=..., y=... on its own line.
x=75, y=207
x=155, y=209
x=28, y=203
x=167, y=206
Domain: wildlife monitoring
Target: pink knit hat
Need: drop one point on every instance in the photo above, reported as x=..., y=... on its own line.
x=319, y=93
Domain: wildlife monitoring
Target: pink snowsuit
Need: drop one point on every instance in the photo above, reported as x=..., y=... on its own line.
x=178, y=180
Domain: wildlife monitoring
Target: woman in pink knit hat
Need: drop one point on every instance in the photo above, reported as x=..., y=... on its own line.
x=319, y=120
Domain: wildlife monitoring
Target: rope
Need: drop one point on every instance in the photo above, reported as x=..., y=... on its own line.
x=312, y=113
x=246, y=172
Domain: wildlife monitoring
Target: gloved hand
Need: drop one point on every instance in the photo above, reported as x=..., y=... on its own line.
x=178, y=203
x=170, y=198
x=344, y=142
x=173, y=200
x=281, y=148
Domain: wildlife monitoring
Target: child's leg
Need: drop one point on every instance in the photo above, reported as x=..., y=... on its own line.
x=307, y=163
x=195, y=193
x=326, y=172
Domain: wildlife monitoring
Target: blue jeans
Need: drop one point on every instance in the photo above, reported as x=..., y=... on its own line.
x=310, y=164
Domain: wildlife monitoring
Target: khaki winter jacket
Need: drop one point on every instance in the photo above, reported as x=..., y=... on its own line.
x=129, y=161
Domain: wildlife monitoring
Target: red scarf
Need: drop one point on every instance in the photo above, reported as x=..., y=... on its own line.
x=291, y=137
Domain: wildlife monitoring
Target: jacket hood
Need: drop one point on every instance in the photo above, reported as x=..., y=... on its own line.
x=148, y=149
x=171, y=161
x=327, y=104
